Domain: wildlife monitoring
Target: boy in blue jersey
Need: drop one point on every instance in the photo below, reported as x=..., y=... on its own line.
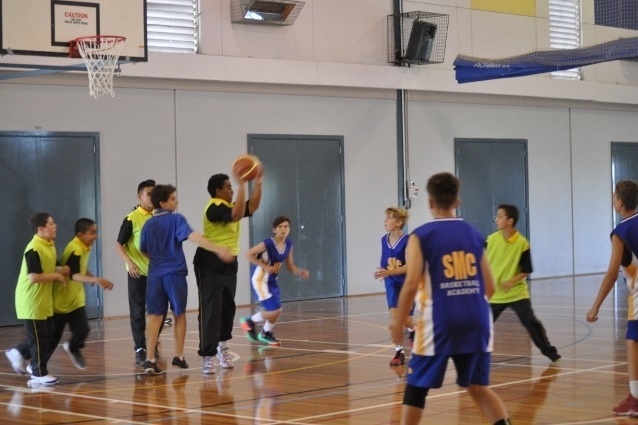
x=268, y=257
x=624, y=250
x=127, y=246
x=449, y=278
x=392, y=267
x=161, y=240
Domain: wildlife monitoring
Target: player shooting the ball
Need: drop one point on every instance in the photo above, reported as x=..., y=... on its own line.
x=268, y=257
x=216, y=280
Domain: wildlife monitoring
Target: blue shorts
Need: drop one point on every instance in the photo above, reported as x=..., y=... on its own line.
x=429, y=371
x=632, y=330
x=272, y=303
x=392, y=290
x=160, y=291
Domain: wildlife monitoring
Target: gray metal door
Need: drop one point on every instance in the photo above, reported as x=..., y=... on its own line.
x=492, y=172
x=51, y=172
x=303, y=180
x=624, y=157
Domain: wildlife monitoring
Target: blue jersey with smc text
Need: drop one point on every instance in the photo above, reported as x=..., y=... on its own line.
x=393, y=257
x=452, y=312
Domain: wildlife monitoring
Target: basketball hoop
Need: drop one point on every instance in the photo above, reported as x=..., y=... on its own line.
x=100, y=53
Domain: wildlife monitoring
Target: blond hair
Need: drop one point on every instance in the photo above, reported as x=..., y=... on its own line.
x=400, y=214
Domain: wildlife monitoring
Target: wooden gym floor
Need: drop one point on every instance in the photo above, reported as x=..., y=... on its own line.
x=332, y=368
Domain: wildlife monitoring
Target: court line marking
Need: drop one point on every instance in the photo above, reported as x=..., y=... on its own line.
x=360, y=355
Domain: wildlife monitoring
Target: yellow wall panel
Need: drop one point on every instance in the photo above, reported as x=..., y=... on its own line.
x=514, y=7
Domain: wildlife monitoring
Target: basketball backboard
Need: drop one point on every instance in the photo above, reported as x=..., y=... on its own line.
x=45, y=27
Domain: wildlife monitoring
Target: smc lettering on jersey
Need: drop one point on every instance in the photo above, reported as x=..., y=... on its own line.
x=459, y=265
x=394, y=263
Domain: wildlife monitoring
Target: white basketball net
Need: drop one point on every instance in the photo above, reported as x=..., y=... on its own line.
x=100, y=53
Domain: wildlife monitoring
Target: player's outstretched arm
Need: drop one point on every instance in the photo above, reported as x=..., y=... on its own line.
x=89, y=278
x=292, y=268
x=414, y=275
x=222, y=252
x=253, y=256
x=47, y=277
x=488, y=277
x=255, y=196
x=609, y=280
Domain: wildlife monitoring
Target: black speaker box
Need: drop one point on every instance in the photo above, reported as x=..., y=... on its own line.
x=421, y=41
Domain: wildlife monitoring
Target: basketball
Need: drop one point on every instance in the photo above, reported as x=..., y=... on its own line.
x=246, y=167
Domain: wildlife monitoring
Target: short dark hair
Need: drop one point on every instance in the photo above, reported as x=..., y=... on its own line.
x=161, y=193
x=215, y=182
x=37, y=220
x=443, y=189
x=280, y=219
x=83, y=225
x=144, y=185
x=627, y=192
x=510, y=212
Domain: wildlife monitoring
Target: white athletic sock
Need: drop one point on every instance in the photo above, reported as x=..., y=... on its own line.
x=633, y=388
x=222, y=344
x=257, y=317
x=398, y=347
x=268, y=326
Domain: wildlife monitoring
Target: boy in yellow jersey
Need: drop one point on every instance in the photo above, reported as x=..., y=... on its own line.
x=34, y=301
x=127, y=246
x=69, y=300
x=511, y=261
x=216, y=280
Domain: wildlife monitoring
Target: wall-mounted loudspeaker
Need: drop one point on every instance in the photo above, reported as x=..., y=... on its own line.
x=417, y=38
x=421, y=41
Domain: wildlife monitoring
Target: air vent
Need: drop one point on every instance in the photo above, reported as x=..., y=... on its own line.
x=265, y=12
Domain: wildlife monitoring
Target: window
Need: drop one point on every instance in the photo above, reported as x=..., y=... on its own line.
x=565, y=31
x=172, y=26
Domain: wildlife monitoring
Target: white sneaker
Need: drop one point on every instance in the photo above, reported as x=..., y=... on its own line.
x=40, y=380
x=224, y=357
x=208, y=366
x=44, y=380
x=17, y=361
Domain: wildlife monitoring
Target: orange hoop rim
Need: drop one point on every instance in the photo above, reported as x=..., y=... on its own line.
x=74, y=43
x=116, y=38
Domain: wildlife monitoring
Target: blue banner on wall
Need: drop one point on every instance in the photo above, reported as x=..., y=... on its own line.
x=470, y=69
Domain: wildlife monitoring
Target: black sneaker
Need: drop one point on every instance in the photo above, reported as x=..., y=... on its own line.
x=140, y=357
x=76, y=357
x=398, y=359
x=248, y=327
x=268, y=338
x=152, y=368
x=555, y=358
x=180, y=362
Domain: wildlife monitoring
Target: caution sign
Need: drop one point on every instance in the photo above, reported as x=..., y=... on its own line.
x=73, y=19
